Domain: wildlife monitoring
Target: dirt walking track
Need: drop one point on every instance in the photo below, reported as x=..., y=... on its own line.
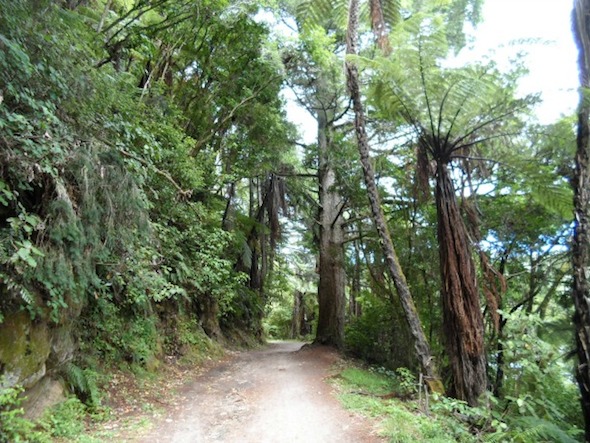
x=276, y=395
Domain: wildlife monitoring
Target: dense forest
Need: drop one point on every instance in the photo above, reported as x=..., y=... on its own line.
x=156, y=201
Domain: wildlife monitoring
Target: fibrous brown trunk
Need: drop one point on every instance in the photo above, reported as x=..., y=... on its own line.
x=411, y=314
x=331, y=298
x=581, y=238
x=462, y=317
x=379, y=26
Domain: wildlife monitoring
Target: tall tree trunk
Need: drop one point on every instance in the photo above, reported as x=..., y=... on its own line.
x=331, y=285
x=296, y=316
x=581, y=184
x=462, y=317
x=399, y=280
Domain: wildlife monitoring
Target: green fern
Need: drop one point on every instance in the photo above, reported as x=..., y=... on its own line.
x=334, y=13
x=83, y=383
x=529, y=429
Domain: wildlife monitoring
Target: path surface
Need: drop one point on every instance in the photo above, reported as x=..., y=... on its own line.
x=277, y=395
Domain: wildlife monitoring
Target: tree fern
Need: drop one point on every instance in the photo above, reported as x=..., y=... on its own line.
x=327, y=13
x=529, y=429
x=334, y=13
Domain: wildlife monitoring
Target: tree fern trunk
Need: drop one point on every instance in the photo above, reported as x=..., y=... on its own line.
x=411, y=314
x=462, y=318
x=581, y=239
x=379, y=26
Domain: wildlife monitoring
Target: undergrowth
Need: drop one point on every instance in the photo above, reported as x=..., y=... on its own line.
x=377, y=394
x=392, y=400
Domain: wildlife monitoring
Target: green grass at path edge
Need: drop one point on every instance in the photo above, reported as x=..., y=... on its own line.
x=398, y=421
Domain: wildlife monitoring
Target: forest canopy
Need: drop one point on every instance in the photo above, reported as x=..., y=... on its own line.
x=154, y=196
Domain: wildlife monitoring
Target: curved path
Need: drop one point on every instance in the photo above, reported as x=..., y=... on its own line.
x=276, y=395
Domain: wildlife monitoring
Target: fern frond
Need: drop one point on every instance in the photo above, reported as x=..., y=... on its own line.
x=246, y=254
x=83, y=383
x=322, y=13
x=554, y=197
x=535, y=429
x=391, y=11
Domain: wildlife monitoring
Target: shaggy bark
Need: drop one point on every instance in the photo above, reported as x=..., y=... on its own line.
x=411, y=314
x=581, y=238
x=462, y=318
x=379, y=26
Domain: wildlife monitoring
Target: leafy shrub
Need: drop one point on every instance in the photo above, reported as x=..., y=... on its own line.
x=13, y=426
x=119, y=336
x=538, y=387
x=378, y=335
x=65, y=420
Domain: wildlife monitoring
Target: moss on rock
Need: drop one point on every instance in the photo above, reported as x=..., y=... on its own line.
x=24, y=349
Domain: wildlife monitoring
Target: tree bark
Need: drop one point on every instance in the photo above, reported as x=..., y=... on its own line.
x=379, y=26
x=354, y=307
x=331, y=298
x=462, y=317
x=581, y=185
x=411, y=314
x=297, y=317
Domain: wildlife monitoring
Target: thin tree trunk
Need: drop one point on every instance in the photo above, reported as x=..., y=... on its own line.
x=462, y=317
x=103, y=16
x=581, y=238
x=296, y=315
x=411, y=314
x=355, y=287
x=499, y=380
x=331, y=298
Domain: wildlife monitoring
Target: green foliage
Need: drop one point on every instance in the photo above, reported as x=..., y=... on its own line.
x=534, y=429
x=67, y=210
x=286, y=279
x=13, y=426
x=197, y=347
x=119, y=336
x=277, y=323
x=373, y=382
x=84, y=383
x=377, y=336
x=65, y=420
x=398, y=421
x=536, y=385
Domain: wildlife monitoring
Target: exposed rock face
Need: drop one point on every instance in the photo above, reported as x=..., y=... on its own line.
x=31, y=354
x=24, y=349
x=48, y=392
x=63, y=347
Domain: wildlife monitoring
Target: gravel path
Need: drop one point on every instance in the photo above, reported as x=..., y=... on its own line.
x=276, y=395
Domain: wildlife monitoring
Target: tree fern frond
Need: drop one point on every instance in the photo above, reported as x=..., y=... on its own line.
x=246, y=254
x=391, y=11
x=322, y=12
x=535, y=429
x=556, y=198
